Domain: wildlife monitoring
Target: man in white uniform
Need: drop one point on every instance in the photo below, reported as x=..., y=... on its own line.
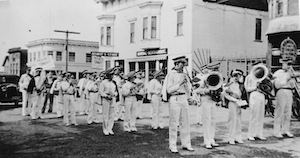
x=83, y=102
x=94, y=94
x=176, y=86
x=284, y=99
x=257, y=106
x=109, y=92
x=140, y=95
x=154, y=88
x=58, y=96
x=23, y=83
x=117, y=78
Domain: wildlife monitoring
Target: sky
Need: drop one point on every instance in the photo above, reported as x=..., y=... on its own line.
x=22, y=21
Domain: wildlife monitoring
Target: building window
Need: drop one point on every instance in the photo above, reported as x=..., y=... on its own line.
x=279, y=7
x=108, y=35
x=50, y=53
x=39, y=55
x=58, y=56
x=142, y=66
x=152, y=67
x=258, y=29
x=107, y=64
x=153, y=27
x=17, y=68
x=131, y=66
x=34, y=56
x=132, y=26
x=88, y=57
x=72, y=56
x=145, y=27
x=102, y=36
x=30, y=57
x=179, y=23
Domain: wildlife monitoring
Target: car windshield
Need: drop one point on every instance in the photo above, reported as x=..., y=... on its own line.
x=9, y=79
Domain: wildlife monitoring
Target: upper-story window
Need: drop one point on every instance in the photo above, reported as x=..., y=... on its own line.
x=50, y=53
x=145, y=27
x=102, y=36
x=132, y=32
x=180, y=23
x=279, y=8
x=72, y=56
x=153, y=26
x=34, y=58
x=88, y=57
x=258, y=29
x=39, y=55
x=58, y=56
x=30, y=57
x=108, y=35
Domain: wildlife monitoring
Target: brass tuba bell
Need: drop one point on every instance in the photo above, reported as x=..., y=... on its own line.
x=259, y=72
x=214, y=80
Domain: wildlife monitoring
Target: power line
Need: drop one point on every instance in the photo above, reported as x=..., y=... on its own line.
x=67, y=36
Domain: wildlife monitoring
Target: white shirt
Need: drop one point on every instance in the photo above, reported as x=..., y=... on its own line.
x=250, y=83
x=126, y=89
x=24, y=82
x=154, y=87
x=67, y=88
x=282, y=79
x=108, y=88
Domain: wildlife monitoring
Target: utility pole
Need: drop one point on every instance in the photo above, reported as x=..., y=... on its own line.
x=67, y=43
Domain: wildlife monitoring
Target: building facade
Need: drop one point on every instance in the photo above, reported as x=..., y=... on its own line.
x=149, y=34
x=79, y=54
x=15, y=62
x=283, y=32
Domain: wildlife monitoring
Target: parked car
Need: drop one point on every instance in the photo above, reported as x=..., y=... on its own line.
x=9, y=89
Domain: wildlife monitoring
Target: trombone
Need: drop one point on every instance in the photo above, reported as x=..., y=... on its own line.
x=194, y=94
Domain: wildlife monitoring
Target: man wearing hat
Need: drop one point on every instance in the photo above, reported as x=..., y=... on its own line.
x=81, y=87
x=68, y=91
x=129, y=91
x=233, y=93
x=140, y=94
x=58, y=96
x=117, y=78
x=23, y=84
x=176, y=86
x=108, y=91
x=87, y=93
x=38, y=93
x=257, y=107
x=154, y=88
x=93, y=90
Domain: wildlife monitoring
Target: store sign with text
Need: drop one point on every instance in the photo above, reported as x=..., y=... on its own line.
x=152, y=52
x=106, y=54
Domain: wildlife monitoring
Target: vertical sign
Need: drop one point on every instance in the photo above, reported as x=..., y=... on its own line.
x=97, y=61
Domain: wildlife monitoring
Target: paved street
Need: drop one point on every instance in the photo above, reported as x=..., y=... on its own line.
x=21, y=137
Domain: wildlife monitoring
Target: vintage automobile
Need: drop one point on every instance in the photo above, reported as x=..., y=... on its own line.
x=9, y=89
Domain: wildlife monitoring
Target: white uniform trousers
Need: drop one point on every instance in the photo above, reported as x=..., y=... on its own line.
x=69, y=109
x=25, y=106
x=283, y=111
x=119, y=110
x=179, y=115
x=139, y=109
x=59, y=104
x=31, y=101
x=83, y=104
x=199, y=115
x=257, y=107
x=235, y=122
x=157, y=111
x=92, y=116
x=37, y=105
x=108, y=114
x=130, y=113
x=209, y=120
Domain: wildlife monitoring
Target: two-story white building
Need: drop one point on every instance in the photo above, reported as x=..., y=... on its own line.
x=79, y=54
x=149, y=34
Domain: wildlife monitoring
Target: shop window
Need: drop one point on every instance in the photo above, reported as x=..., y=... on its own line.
x=163, y=66
x=145, y=27
x=131, y=66
x=132, y=28
x=58, y=56
x=50, y=53
x=107, y=64
x=258, y=29
x=152, y=67
x=142, y=67
x=179, y=23
x=153, y=26
x=88, y=57
x=72, y=56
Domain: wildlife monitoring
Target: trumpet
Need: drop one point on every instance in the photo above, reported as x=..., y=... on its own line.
x=194, y=94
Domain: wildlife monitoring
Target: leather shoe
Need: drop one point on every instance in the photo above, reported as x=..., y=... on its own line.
x=188, y=148
x=174, y=150
x=251, y=138
x=290, y=135
x=279, y=136
x=240, y=142
x=262, y=138
x=231, y=142
x=208, y=146
x=215, y=144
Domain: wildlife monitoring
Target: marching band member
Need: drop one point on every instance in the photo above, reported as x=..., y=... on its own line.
x=117, y=78
x=81, y=86
x=154, y=88
x=233, y=93
x=98, y=82
x=93, y=94
x=87, y=93
x=23, y=84
x=109, y=92
x=208, y=108
x=58, y=96
x=198, y=80
x=140, y=95
x=176, y=86
x=38, y=93
x=129, y=92
x=48, y=84
x=257, y=106
x=284, y=101
x=69, y=90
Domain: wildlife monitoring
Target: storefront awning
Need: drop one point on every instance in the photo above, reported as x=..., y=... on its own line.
x=148, y=58
x=284, y=24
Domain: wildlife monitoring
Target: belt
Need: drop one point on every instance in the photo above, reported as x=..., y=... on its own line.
x=287, y=88
x=177, y=94
x=93, y=91
x=68, y=94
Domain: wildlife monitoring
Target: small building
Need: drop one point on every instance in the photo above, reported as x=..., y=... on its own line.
x=149, y=34
x=15, y=62
x=79, y=54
